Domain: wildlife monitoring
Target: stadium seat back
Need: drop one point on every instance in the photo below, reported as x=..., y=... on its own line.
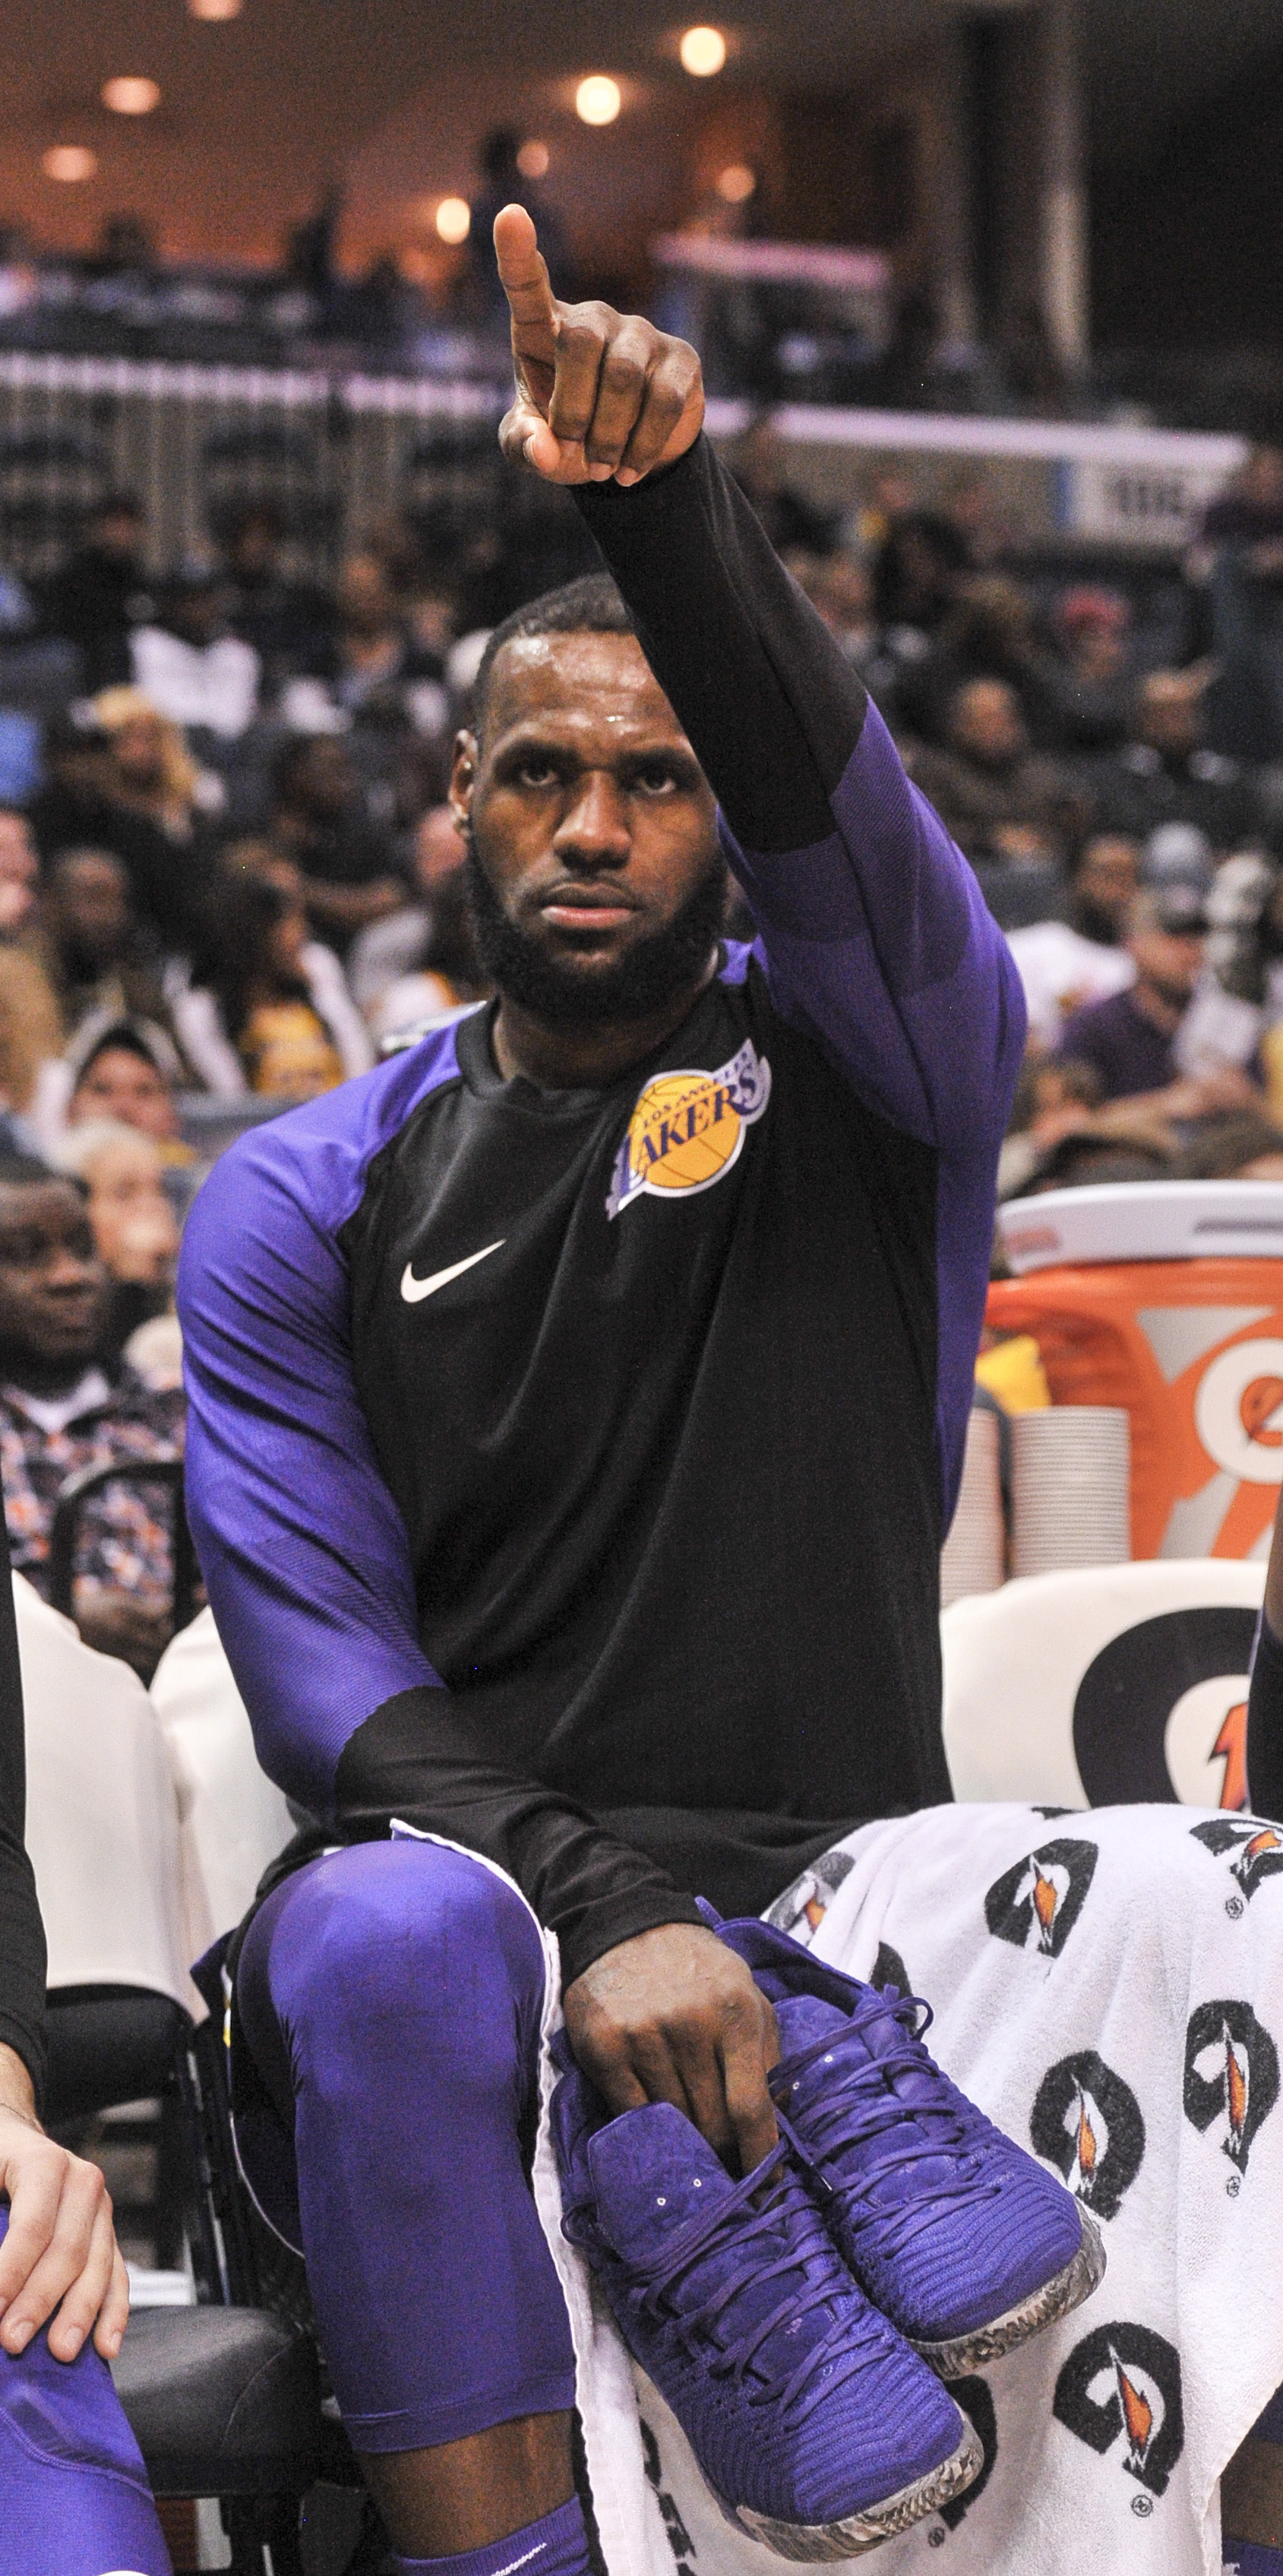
x=1103, y=1686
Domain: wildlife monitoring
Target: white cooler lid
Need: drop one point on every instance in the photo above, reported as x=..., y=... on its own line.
x=1144, y=1221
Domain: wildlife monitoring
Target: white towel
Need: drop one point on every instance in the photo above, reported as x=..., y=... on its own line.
x=1109, y=1987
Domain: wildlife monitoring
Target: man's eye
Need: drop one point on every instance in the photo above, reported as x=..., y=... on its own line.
x=655, y=780
x=536, y=771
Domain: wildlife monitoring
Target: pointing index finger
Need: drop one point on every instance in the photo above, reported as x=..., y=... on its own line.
x=523, y=271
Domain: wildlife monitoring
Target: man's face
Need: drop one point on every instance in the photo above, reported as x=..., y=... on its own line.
x=18, y=869
x=1104, y=886
x=138, y=752
x=52, y=1284
x=120, y=1084
x=1168, y=960
x=117, y=534
x=986, y=723
x=324, y=782
x=89, y=905
x=593, y=828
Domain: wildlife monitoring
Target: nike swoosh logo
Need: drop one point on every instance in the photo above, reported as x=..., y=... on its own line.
x=538, y=2550
x=415, y=1290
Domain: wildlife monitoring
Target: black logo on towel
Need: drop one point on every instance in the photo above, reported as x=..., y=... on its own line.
x=1231, y=2075
x=975, y=2397
x=1088, y=2122
x=803, y=1906
x=1128, y=1692
x=889, y=1969
x=1257, y=1848
x=1036, y=1905
x=1123, y=2383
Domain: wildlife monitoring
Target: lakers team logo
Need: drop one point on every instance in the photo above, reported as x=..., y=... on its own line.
x=687, y=1129
x=1088, y=2122
x=1125, y=2381
x=1231, y=2076
x=1036, y=1905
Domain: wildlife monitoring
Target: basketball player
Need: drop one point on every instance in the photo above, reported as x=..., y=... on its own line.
x=577, y=1403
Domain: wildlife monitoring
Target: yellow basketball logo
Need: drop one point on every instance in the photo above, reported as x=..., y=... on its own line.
x=687, y=1129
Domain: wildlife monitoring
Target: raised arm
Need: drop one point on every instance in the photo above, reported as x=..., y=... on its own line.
x=305, y=1553
x=874, y=932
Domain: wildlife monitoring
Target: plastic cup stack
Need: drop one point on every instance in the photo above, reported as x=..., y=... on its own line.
x=974, y=1553
x=1070, y=1478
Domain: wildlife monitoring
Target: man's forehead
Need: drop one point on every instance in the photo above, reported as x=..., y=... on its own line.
x=578, y=681
x=48, y=1204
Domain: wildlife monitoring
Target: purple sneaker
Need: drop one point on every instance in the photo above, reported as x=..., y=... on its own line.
x=957, y=2235
x=818, y=2431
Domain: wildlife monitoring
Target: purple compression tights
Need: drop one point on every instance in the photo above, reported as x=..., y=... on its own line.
x=390, y=1995
x=74, y=2499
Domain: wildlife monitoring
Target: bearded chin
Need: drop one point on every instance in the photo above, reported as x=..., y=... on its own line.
x=656, y=971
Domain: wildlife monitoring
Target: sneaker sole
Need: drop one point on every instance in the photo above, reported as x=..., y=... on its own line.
x=1066, y=2290
x=857, y=2532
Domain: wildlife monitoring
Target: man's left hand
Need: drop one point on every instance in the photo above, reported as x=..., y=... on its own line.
x=674, y=2016
x=599, y=393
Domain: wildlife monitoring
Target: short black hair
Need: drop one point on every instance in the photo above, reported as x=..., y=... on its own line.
x=590, y=606
x=19, y=1170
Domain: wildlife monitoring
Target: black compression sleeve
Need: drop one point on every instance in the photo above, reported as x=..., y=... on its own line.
x=22, y=1940
x=1265, y=1725
x=770, y=702
x=418, y=1759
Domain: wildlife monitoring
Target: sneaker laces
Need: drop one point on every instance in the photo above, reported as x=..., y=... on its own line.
x=749, y=2222
x=863, y=2106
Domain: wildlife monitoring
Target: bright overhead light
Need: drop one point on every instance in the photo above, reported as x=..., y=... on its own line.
x=598, y=100
x=703, y=50
x=736, y=183
x=453, y=219
x=532, y=160
x=68, y=161
x=215, y=8
x=131, y=95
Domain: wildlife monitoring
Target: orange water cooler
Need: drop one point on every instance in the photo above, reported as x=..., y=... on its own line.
x=1165, y=1297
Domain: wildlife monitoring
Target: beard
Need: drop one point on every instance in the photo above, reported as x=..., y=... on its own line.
x=555, y=989
x=1095, y=921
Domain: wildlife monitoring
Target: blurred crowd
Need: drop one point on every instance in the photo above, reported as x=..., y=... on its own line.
x=229, y=877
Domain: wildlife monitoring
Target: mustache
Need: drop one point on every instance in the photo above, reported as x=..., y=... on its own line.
x=557, y=990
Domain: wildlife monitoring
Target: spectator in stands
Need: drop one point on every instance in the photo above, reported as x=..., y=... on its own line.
x=102, y=593
x=1000, y=799
x=1132, y=1038
x=267, y=1010
x=95, y=952
x=1064, y=965
x=29, y=1021
x=915, y=577
x=289, y=624
x=1093, y=687
x=348, y=866
x=1239, y=555
x=1165, y=774
x=788, y=516
x=128, y=1071
x=191, y=669
x=397, y=946
x=1248, y=1147
x=135, y=1230
x=449, y=975
x=125, y=784
x=60, y=1411
x=374, y=664
x=988, y=633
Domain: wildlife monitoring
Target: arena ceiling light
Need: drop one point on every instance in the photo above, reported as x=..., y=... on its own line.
x=453, y=220
x=598, y=99
x=131, y=94
x=532, y=160
x=702, y=51
x=215, y=8
x=69, y=162
x=736, y=183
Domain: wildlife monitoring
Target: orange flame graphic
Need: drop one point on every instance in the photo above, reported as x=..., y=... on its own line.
x=1266, y=1840
x=1138, y=2414
x=1086, y=2141
x=1232, y=1744
x=1046, y=1899
x=1236, y=2083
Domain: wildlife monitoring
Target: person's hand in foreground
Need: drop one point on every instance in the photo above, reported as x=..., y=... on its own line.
x=60, y=2245
x=674, y=2016
x=598, y=393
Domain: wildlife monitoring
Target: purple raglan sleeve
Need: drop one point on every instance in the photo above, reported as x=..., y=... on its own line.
x=873, y=933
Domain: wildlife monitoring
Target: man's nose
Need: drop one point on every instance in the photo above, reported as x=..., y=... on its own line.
x=594, y=829
x=65, y=1269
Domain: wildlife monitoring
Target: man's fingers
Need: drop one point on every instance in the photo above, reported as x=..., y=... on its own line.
x=109, y=2333
x=747, y=2054
x=582, y=346
x=622, y=392
x=33, y=2217
x=64, y=2259
x=671, y=414
x=523, y=275
x=81, y=2303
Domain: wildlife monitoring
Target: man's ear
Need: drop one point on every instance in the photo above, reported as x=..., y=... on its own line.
x=463, y=776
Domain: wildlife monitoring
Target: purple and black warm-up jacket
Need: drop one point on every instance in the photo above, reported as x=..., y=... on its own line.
x=569, y=1469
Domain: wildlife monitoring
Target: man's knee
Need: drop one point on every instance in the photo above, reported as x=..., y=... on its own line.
x=405, y=1944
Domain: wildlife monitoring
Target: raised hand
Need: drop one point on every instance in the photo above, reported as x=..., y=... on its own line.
x=598, y=393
